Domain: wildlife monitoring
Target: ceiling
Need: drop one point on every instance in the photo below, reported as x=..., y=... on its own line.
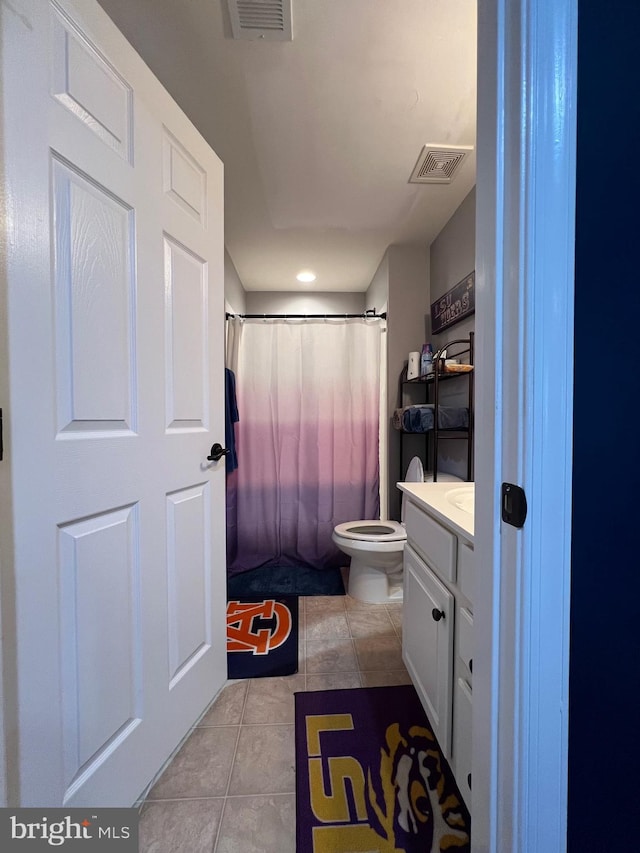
x=319, y=135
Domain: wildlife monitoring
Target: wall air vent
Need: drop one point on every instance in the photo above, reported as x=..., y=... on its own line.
x=439, y=164
x=261, y=19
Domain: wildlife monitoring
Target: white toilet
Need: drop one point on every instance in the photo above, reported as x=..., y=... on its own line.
x=376, y=547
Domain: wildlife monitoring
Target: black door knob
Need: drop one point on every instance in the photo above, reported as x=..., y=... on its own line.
x=437, y=614
x=217, y=452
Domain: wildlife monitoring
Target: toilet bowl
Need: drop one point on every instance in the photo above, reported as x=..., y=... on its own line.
x=376, y=550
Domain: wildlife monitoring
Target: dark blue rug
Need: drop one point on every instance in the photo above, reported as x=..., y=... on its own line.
x=284, y=580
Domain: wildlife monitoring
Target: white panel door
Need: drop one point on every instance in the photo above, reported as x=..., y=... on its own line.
x=115, y=322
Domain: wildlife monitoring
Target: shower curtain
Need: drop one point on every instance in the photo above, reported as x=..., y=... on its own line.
x=307, y=439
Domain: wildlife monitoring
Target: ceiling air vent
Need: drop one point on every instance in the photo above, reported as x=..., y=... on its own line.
x=439, y=164
x=261, y=19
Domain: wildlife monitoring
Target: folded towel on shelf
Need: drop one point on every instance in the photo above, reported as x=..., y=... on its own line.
x=421, y=418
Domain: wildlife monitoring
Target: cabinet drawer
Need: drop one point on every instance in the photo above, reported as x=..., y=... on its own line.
x=437, y=544
x=462, y=743
x=464, y=641
x=466, y=576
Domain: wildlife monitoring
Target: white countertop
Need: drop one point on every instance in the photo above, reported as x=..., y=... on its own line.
x=432, y=498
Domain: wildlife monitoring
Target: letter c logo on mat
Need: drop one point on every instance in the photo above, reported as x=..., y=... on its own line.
x=244, y=633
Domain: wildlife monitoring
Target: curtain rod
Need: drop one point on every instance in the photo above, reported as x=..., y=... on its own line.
x=366, y=315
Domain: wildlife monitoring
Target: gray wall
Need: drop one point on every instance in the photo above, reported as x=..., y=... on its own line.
x=289, y=302
x=452, y=258
x=377, y=295
x=402, y=280
x=234, y=293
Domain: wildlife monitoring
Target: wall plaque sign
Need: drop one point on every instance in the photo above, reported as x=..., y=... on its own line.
x=454, y=305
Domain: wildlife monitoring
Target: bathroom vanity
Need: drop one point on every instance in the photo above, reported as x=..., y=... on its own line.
x=437, y=632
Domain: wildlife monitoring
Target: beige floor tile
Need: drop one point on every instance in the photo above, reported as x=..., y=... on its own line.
x=323, y=603
x=179, y=825
x=366, y=623
x=270, y=700
x=396, y=619
x=261, y=824
x=330, y=656
x=385, y=679
x=227, y=709
x=380, y=653
x=201, y=767
x=320, y=625
x=264, y=762
x=355, y=604
x=333, y=681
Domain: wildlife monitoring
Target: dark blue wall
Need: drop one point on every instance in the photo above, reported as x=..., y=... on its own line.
x=604, y=676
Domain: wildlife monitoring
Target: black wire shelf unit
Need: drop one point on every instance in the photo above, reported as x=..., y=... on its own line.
x=463, y=349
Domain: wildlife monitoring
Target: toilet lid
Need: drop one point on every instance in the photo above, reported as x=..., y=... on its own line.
x=415, y=472
x=372, y=531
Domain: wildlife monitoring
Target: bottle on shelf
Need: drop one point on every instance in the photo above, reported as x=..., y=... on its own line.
x=426, y=360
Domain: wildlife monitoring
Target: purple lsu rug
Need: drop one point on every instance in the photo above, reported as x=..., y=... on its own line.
x=370, y=776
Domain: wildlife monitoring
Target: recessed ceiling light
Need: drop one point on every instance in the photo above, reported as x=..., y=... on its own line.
x=306, y=276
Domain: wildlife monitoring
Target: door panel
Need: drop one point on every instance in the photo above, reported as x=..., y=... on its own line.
x=185, y=181
x=86, y=83
x=100, y=575
x=186, y=337
x=95, y=305
x=188, y=570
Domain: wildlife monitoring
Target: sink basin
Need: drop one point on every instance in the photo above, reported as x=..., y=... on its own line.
x=463, y=498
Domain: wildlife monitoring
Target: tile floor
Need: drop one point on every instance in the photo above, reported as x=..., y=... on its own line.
x=231, y=787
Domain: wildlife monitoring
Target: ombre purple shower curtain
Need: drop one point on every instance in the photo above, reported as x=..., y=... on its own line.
x=308, y=439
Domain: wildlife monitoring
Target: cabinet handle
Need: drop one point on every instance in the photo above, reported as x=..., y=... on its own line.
x=437, y=614
x=469, y=780
x=471, y=665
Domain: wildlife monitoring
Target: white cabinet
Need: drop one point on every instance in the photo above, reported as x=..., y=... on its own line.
x=427, y=642
x=437, y=632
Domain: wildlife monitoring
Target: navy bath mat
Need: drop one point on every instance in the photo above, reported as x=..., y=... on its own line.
x=284, y=580
x=262, y=637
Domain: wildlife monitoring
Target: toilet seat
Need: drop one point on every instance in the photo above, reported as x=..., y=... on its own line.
x=371, y=531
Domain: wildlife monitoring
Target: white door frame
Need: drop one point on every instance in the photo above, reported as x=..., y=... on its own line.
x=525, y=279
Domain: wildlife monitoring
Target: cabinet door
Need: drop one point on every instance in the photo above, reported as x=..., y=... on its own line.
x=462, y=739
x=427, y=642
